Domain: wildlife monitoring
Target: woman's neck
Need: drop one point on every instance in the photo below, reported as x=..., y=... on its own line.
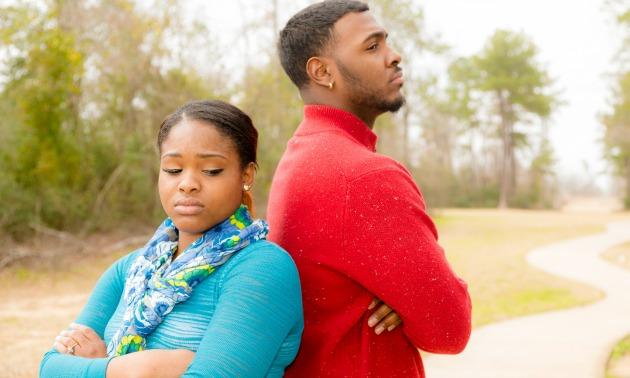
x=185, y=239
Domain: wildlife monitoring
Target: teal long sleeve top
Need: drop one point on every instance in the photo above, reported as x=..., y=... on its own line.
x=244, y=320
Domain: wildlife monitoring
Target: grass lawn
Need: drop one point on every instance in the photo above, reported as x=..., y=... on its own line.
x=619, y=255
x=618, y=365
x=487, y=248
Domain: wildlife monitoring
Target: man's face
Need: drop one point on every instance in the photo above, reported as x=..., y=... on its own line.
x=368, y=74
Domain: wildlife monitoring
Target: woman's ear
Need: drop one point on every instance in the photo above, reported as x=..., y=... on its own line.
x=249, y=174
x=319, y=71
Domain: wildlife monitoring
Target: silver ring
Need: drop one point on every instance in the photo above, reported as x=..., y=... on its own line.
x=71, y=349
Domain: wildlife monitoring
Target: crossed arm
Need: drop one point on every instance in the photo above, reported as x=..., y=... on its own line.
x=82, y=341
x=89, y=352
x=409, y=272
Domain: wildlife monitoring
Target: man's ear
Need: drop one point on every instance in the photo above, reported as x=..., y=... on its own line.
x=319, y=71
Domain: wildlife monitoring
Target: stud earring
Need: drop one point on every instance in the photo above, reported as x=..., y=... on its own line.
x=246, y=187
x=330, y=85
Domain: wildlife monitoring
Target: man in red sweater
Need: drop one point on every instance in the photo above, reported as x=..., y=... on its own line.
x=354, y=220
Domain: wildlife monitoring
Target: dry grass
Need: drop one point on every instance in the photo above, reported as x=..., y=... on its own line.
x=487, y=248
x=41, y=300
x=619, y=255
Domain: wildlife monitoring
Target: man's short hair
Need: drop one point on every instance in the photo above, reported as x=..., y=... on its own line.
x=309, y=32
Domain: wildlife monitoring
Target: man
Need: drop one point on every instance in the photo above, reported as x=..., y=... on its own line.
x=353, y=220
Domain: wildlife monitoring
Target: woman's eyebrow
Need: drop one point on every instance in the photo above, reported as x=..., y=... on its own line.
x=202, y=155
x=206, y=155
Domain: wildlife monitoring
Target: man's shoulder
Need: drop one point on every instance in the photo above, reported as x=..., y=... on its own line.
x=375, y=164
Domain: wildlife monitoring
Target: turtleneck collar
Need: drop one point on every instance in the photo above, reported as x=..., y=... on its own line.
x=333, y=118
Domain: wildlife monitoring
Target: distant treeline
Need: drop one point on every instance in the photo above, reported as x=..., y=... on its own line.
x=85, y=85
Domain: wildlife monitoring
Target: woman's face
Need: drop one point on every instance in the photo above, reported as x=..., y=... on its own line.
x=201, y=178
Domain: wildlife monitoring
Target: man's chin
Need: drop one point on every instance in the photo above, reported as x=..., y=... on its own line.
x=395, y=105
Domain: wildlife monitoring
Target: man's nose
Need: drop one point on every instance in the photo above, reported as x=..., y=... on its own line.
x=394, y=57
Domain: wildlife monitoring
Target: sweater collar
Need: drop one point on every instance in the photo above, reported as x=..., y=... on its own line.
x=328, y=117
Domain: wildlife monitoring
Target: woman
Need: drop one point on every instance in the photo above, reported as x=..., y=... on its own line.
x=207, y=295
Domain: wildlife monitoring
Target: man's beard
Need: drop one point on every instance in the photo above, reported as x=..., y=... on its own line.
x=365, y=97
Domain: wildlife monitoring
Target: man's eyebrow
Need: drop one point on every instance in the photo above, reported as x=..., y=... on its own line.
x=377, y=34
x=172, y=154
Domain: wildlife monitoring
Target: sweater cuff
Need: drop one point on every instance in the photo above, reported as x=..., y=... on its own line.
x=98, y=367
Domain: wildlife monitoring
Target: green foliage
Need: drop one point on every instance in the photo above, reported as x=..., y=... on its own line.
x=81, y=117
x=616, y=121
x=507, y=66
x=617, y=131
x=44, y=83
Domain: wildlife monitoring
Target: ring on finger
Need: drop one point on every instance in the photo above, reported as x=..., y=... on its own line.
x=70, y=349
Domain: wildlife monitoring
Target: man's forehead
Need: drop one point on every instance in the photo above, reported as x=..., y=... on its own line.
x=356, y=27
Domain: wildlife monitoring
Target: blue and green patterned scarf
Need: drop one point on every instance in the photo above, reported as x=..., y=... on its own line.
x=155, y=283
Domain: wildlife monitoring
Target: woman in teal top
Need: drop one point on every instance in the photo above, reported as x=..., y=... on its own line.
x=207, y=296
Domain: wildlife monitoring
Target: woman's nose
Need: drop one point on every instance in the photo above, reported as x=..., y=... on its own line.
x=189, y=183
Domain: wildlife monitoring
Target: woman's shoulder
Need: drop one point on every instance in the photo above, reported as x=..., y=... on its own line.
x=265, y=250
x=265, y=256
x=122, y=264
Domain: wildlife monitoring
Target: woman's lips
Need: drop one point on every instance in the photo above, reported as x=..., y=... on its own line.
x=188, y=206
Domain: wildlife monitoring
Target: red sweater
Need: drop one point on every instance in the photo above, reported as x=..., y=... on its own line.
x=355, y=223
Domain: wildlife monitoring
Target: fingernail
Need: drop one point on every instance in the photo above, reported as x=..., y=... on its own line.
x=372, y=321
x=391, y=327
x=371, y=306
x=379, y=329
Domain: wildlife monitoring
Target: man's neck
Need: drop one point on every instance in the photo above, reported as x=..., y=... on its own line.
x=367, y=117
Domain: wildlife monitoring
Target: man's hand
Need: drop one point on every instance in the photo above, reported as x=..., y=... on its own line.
x=80, y=340
x=384, y=318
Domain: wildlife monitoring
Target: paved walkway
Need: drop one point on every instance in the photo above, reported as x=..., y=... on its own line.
x=572, y=343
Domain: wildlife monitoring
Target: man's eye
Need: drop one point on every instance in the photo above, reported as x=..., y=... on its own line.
x=171, y=171
x=212, y=172
x=373, y=46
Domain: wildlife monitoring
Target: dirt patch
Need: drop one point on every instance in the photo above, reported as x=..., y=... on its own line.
x=45, y=295
x=29, y=326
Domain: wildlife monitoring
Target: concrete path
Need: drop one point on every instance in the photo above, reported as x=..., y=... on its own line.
x=571, y=343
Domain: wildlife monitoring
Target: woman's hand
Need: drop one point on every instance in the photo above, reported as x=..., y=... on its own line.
x=80, y=340
x=153, y=363
x=384, y=318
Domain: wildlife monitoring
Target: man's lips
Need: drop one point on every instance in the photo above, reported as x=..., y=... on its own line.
x=188, y=206
x=397, y=78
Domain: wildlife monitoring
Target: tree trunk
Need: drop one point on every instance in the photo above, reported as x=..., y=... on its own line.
x=507, y=174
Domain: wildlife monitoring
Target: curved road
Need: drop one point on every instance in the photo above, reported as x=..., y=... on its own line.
x=571, y=343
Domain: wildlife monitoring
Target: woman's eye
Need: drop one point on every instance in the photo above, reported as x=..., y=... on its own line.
x=173, y=171
x=212, y=172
